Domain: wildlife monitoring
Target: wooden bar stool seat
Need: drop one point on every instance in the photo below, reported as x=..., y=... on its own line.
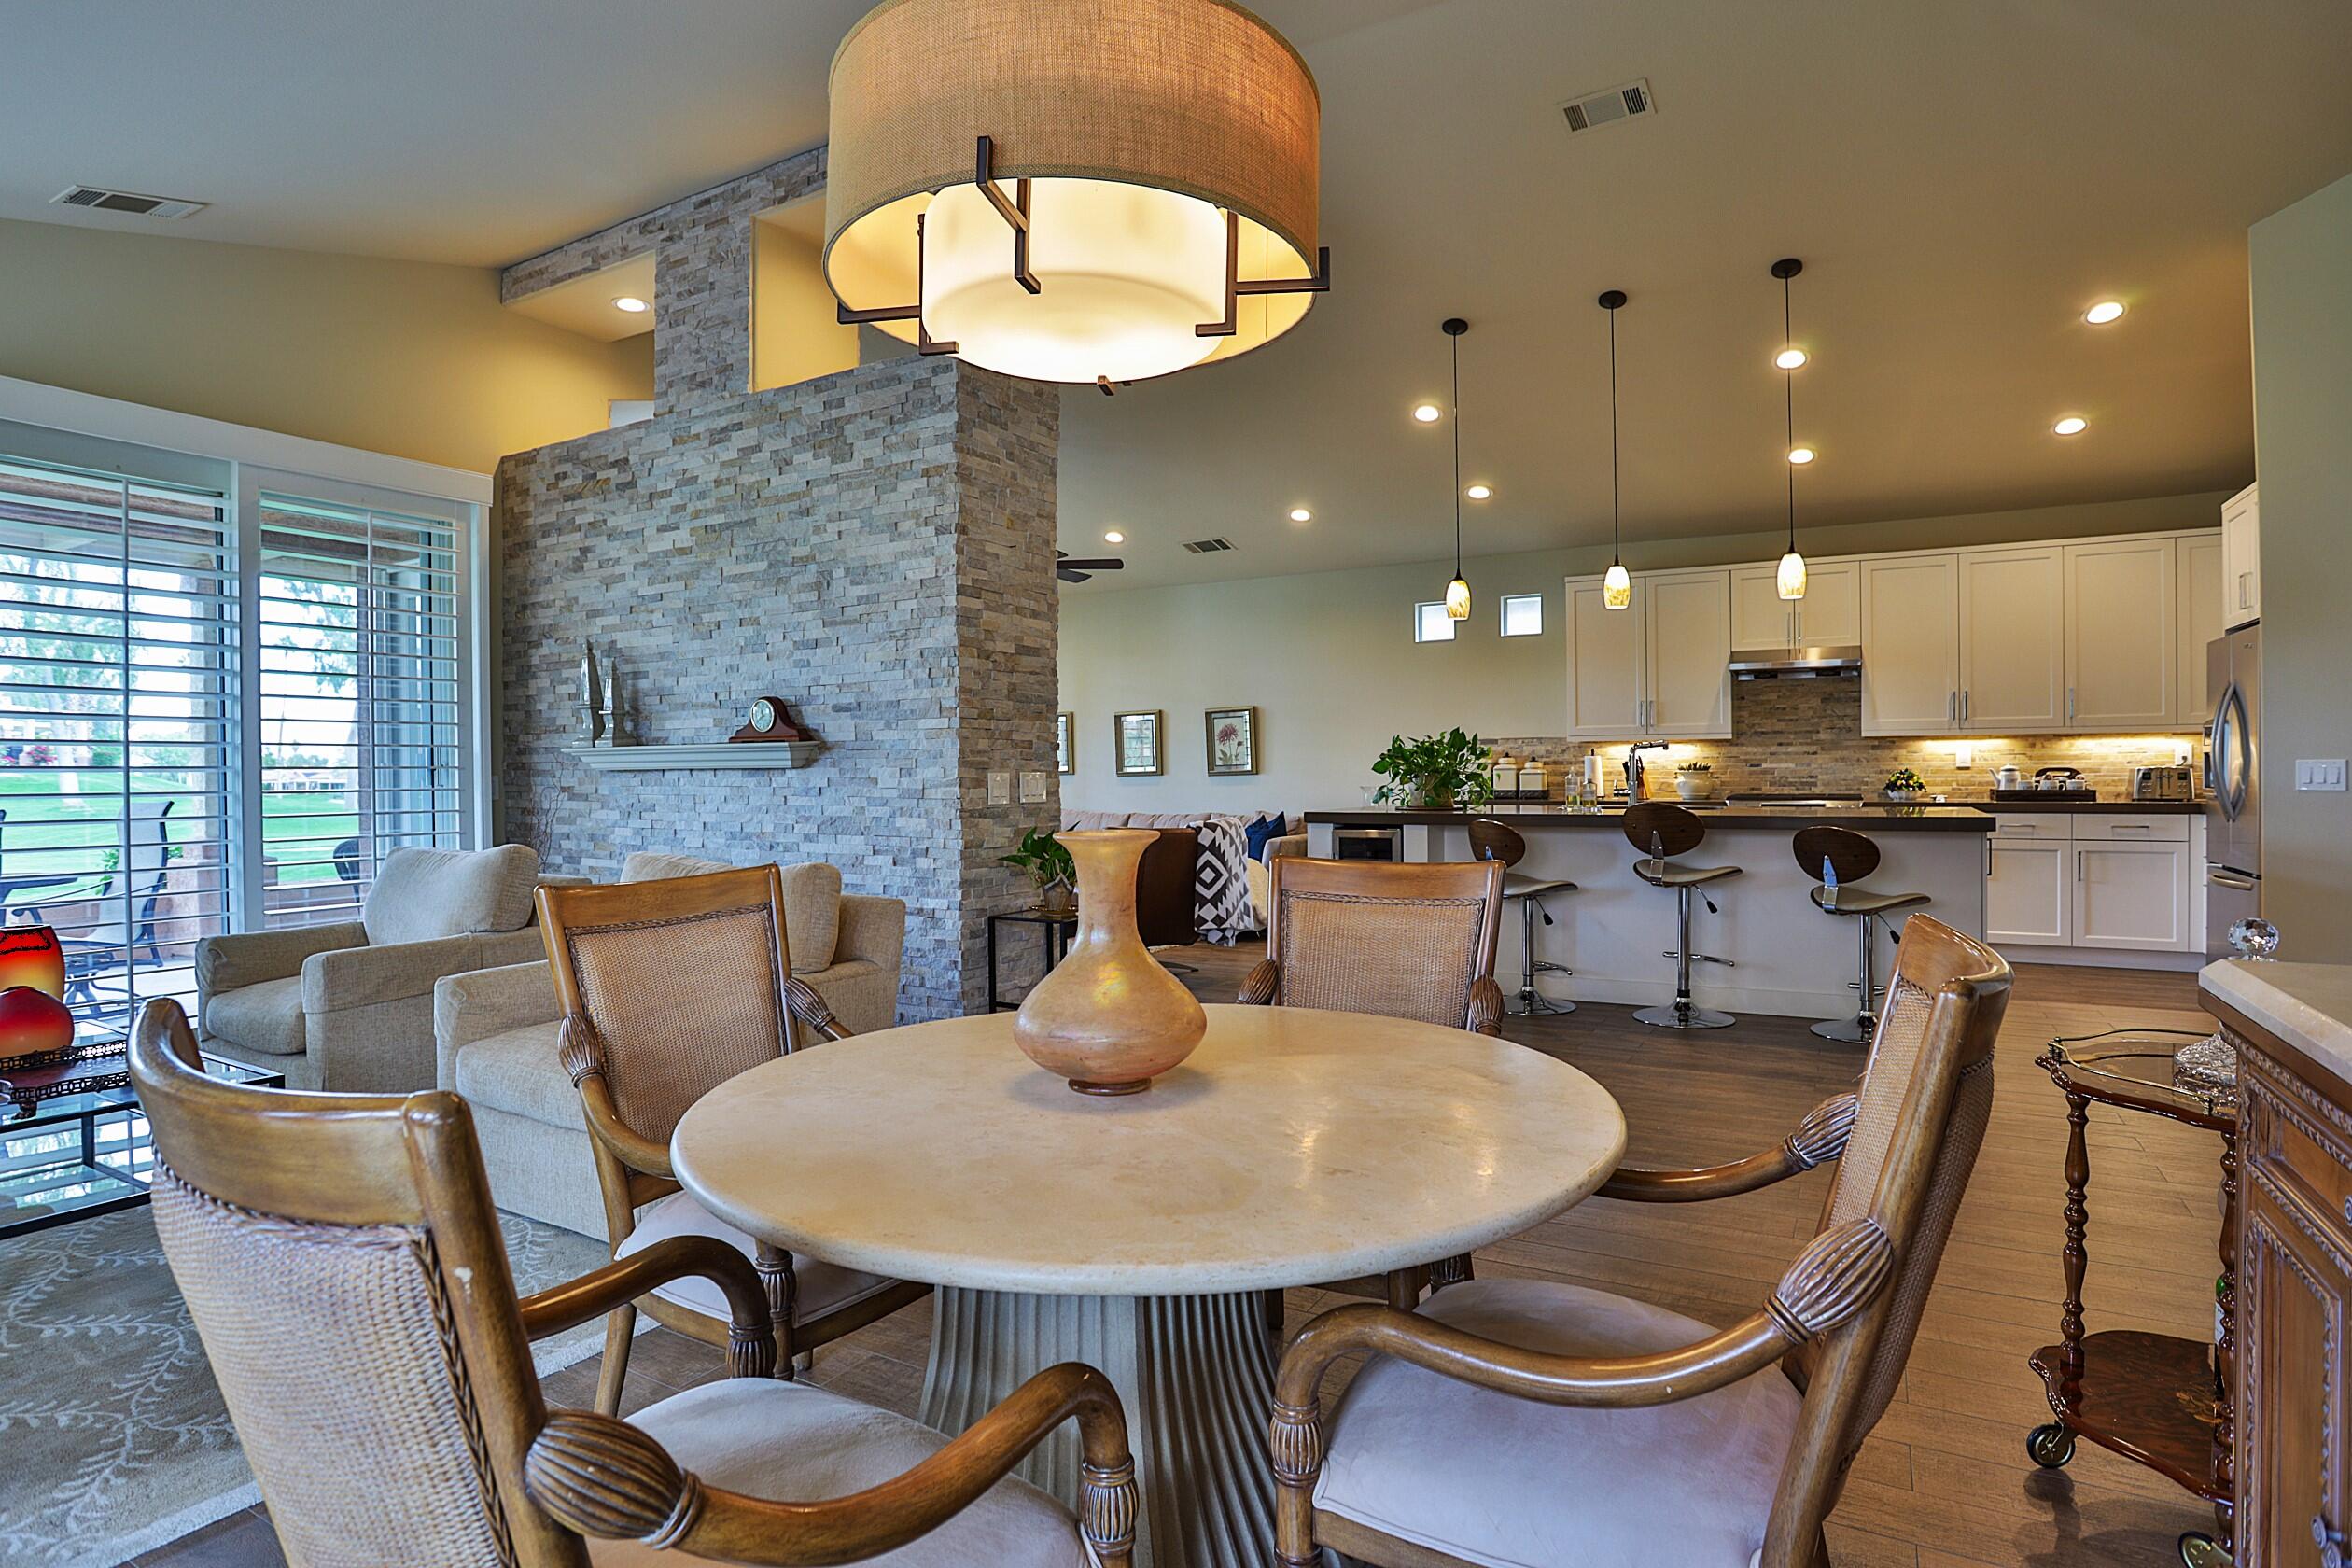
x=1493, y=841
x=1665, y=831
x=1853, y=856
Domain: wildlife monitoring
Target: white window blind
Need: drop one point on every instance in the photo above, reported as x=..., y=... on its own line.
x=361, y=738
x=118, y=642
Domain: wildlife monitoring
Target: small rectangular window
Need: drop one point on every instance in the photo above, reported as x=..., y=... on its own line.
x=1522, y=615
x=1431, y=624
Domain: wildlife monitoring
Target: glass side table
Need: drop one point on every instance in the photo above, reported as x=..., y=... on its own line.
x=74, y=1143
x=2155, y=1398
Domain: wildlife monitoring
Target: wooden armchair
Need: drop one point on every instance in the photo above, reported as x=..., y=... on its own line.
x=1406, y=941
x=346, y=1272
x=1522, y=1421
x=668, y=988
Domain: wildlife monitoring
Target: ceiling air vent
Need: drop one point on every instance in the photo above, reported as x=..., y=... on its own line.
x=1603, y=108
x=101, y=200
x=1208, y=546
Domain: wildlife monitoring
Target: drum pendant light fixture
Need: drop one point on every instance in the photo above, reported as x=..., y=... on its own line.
x=1792, y=565
x=1458, y=591
x=1002, y=187
x=1617, y=588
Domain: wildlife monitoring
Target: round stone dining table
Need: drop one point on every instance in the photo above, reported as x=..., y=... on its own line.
x=1295, y=1147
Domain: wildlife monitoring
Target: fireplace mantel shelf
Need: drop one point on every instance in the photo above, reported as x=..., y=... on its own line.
x=717, y=754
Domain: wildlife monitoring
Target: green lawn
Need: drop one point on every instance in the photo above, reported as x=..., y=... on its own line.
x=42, y=817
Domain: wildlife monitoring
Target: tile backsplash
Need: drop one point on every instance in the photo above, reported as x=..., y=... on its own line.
x=1795, y=737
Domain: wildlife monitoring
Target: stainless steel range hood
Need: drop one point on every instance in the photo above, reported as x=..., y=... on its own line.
x=1799, y=663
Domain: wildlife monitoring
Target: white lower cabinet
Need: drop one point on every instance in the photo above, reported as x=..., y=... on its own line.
x=2131, y=896
x=2029, y=892
x=2118, y=881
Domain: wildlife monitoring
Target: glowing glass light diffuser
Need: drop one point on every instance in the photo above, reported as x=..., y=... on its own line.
x=1458, y=599
x=1791, y=579
x=1790, y=359
x=2104, y=312
x=1002, y=188
x=1616, y=589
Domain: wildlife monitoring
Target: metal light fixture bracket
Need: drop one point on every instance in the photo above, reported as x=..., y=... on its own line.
x=1237, y=285
x=1014, y=209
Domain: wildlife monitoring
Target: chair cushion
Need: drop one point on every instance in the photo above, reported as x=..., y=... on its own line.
x=812, y=900
x=266, y=1016
x=1509, y=1482
x=520, y=1072
x=796, y=1442
x=423, y=894
x=824, y=1286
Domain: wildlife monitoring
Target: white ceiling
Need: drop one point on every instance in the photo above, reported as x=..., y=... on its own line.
x=1961, y=177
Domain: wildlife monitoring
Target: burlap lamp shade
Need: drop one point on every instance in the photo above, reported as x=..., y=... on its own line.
x=1167, y=146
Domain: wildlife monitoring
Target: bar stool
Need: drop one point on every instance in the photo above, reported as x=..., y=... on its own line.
x=1493, y=841
x=1664, y=832
x=1853, y=856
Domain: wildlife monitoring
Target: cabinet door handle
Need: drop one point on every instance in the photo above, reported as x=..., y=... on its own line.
x=2070, y=706
x=1965, y=695
x=2244, y=597
x=1952, y=708
x=2077, y=865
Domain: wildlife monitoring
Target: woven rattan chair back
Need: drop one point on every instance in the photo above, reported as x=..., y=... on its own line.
x=1373, y=936
x=683, y=980
x=342, y=1261
x=1925, y=1099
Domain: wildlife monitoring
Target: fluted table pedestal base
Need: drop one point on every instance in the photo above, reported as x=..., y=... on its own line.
x=1195, y=1373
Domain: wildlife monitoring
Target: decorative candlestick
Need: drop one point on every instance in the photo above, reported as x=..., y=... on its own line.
x=592, y=723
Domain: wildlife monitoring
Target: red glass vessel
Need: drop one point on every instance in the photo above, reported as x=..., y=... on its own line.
x=30, y=955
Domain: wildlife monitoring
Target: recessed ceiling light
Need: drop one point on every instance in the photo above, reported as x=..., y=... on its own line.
x=1480, y=492
x=630, y=303
x=1790, y=359
x=2104, y=312
x=1427, y=413
x=1300, y=514
x=1801, y=454
x=1113, y=536
x=2073, y=424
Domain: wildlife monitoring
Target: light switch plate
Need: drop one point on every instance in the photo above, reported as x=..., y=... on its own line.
x=2319, y=772
x=1000, y=789
x=1032, y=787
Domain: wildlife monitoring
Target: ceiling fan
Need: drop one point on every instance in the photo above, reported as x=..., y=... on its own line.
x=1070, y=570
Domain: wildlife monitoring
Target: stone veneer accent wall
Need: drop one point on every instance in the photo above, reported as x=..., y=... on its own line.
x=876, y=546
x=1798, y=735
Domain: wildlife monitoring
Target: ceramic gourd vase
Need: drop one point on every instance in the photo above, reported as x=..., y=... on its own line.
x=1109, y=1019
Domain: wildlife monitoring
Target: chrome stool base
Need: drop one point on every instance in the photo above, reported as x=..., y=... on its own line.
x=1848, y=1031
x=1533, y=1003
x=1684, y=1016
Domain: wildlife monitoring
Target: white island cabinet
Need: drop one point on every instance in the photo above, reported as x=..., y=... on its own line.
x=2106, y=887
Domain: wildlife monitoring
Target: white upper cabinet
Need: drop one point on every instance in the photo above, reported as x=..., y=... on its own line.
x=2241, y=559
x=1761, y=618
x=2012, y=640
x=1911, y=644
x=1829, y=615
x=1605, y=649
x=2197, y=576
x=1689, y=648
x=2122, y=664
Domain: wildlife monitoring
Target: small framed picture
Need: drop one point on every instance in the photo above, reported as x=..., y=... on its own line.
x=1137, y=743
x=1232, y=740
x=1065, y=743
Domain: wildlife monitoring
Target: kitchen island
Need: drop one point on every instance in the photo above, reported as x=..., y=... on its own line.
x=1788, y=959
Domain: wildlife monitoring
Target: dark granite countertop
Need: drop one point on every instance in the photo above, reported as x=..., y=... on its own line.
x=2158, y=808
x=1886, y=818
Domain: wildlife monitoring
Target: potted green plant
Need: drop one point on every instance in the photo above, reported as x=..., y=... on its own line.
x=1434, y=773
x=1904, y=785
x=1049, y=866
x=1694, y=780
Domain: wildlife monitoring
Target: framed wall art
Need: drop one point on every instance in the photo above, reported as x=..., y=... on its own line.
x=1065, y=743
x=1233, y=740
x=1136, y=743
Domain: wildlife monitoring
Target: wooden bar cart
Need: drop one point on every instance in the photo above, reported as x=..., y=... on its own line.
x=2154, y=1398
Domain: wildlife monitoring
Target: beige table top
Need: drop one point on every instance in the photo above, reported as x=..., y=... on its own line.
x=1295, y=1146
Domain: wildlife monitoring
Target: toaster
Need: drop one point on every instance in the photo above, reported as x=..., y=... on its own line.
x=2160, y=784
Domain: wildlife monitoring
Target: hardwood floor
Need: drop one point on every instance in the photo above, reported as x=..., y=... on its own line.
x=1944, y=1481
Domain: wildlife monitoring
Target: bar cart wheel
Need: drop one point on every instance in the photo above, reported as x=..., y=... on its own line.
x=2200, y=1550
x=2049, y=1446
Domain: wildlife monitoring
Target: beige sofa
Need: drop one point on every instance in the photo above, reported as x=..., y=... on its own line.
x=1261, y=881
x=348, y=1007
x=493, y=1034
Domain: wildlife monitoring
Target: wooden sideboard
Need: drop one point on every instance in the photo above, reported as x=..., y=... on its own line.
x=2294, y=1300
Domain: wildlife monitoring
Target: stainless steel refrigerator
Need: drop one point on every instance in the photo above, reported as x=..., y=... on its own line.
x=2234, y=811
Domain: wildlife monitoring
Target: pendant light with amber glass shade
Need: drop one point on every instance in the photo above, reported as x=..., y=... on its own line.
x=1457, y=591
x=1003, y=186
x=1791, y=580
x=1617, y=588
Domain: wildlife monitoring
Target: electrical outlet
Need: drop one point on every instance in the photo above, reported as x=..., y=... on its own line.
x=1032, y=787
x=1000, y=789
x=2319, y=772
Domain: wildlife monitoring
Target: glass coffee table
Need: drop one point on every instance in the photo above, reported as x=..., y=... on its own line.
x=74, y=1143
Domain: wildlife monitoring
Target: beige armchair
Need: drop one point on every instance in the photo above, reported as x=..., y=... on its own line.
x=348, y=1007
x=494, y=1033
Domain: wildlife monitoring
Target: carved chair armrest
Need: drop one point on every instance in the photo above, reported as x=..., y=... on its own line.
x=1832, y=1278
x=1486, y=1007
x=581, y=1052
x=806, y=1005
x=605, y=1479
x=1819, y=1138
x=750, y=1330
x=1264, y=984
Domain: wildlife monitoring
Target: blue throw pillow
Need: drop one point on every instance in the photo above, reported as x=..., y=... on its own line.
x=1257, y=833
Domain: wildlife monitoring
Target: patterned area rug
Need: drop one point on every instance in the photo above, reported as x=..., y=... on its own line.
x=115, y=1436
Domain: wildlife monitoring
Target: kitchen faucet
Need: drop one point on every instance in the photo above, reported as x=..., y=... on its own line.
x=1634, y=768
